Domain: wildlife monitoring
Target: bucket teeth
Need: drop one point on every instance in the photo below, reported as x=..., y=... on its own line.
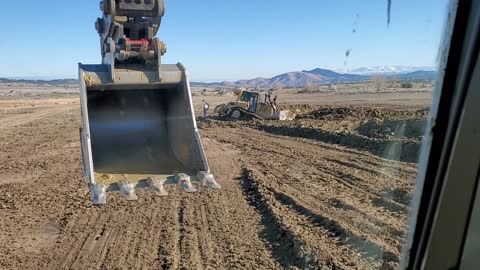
x=208, y=180
x=157, y=186
x=185, y=183
x=127, y=190
x=99, y=194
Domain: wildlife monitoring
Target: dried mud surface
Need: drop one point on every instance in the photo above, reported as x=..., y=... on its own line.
x=326, y=191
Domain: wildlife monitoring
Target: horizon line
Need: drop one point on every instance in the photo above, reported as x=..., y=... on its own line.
x=337, y=70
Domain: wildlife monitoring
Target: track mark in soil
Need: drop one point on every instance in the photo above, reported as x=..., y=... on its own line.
x=169, y=243
x=340, y=204
x=298, y=190
x=356, y=166
x=205, y=247
x=105, y=246
x=363, y=246
x=285, y=248
x=319, y=174
x=398, y=198
x=181, y=225
x=66, y=259
x=378, y=199
x=409, y=168
x=188, y=241
x=389, y=205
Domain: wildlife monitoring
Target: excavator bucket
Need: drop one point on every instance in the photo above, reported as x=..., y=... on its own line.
x=139, y=131
x=139, y=128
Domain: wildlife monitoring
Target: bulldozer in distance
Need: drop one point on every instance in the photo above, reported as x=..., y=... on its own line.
x=139, y=128
x=252, y=104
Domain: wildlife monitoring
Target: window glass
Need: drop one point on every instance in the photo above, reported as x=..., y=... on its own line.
x=309, y=115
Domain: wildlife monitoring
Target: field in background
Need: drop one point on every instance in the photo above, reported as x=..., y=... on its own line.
x=328, y=189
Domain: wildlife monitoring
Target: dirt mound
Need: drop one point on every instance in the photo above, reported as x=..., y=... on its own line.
x=387, y=133
x=392, y=148
x=300, y=109
x=394, y=134
x=388, y=129
x=332, y=113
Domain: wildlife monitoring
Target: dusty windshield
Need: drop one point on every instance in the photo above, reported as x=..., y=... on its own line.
x=287, y=138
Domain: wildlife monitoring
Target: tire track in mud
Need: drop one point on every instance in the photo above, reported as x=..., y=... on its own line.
x=366, y=223
x=205, y=230
x=104, y=246
x=179, y=245
x=356, y=184
x=324, y=202
x=387, y=168
x=285, y=247
x=123, y=235
x=188, y=241
x=142, y=252
x=278, y=220
x=169, y=247
x=204, y=236
x=66, y=259
x=318, y=233
x=377, y=199
x=341, y=173
x=338, y=174
x=116, y=257
x=380, y=170
x=360, y=154
x=99, y=246
x=96, y=239
x=231, y=226
x=139, y=258
x=44, y=178
x=278, y=157
x=345, y=237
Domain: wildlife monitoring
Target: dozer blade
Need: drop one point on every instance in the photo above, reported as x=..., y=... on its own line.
x=140, y=132
x=286, y=115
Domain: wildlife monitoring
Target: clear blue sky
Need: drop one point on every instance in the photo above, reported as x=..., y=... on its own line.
x=234, y=39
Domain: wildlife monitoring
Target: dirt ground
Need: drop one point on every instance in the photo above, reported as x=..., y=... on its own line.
x=329, y=190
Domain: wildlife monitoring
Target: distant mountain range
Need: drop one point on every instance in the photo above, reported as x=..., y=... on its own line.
x=291, y=79
x=57, y=82
x=319, y=76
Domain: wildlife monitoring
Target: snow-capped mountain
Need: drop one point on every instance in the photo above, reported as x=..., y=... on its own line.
x=386, y=70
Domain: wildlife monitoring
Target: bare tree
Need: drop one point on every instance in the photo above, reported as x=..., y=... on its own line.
x=378, y=81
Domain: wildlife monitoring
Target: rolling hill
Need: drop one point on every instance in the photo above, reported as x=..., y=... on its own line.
x=316, y=76
x=57, y=82
x=290, y=79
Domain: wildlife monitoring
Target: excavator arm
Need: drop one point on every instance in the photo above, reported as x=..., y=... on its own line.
x=127, y=33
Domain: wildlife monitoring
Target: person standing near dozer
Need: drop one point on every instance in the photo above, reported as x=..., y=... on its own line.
x=205, y=107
